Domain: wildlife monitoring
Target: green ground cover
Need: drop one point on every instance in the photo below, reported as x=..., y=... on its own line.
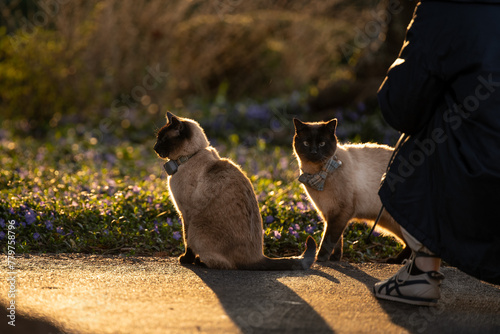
x=74, y=192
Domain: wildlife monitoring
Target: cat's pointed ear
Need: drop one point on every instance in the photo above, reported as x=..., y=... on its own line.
x=174, y=122
x=299, y=125
x=169, y=117
x=331, y=125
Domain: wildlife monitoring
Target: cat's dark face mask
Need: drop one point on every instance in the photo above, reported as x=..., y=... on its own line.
x=171, y=137
x=315, y=143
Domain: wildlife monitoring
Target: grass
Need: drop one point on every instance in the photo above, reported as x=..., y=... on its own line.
x=71, y=192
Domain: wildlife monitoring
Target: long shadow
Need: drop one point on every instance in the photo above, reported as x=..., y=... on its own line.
x=467, y=305
x=26, y=325
x=258, y=303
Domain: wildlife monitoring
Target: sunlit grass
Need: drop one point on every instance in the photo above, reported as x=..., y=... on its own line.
x=68, y=193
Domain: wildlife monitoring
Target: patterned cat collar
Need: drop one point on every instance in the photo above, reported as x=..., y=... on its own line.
x=317, y=181
x=171, y=166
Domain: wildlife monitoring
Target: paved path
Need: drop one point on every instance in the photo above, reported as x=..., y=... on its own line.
x=97, y=294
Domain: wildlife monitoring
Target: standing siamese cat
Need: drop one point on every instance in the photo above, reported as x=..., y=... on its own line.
x=222, y=225
x=342, y=181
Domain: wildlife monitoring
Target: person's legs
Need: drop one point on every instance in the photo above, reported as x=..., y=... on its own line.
x=426, y=261
x=418, y=281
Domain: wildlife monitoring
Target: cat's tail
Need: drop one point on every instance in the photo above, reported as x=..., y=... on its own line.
x=302, y=262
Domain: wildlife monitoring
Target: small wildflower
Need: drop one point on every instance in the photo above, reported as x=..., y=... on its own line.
x=284, y=163
x=136, y=189
x=301, y=206
x=36, y=236
x=309, y=229
x=361, y=106
x=48, y=225
x=30, y=217
x=141, y=228
x=176, y=235
x=105, y=231
x=169, y=221
x=60, y=230
x=296, y=227
x=2, y=235
x=277, y=235
x=269, y=219
x=2, y=222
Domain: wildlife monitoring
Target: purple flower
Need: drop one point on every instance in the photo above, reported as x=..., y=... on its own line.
x=136, y=189
x=276, y=234
x=284, y=163
x=48, y=225
x=256, y=111
x=309, y=229
x=376, y=234
x=2, y=222
x=176, y=235
x=30, y=217
x=156, y=228
x=269, y=219
x=141, y=228
x=295, y=234
x=169, y=221
x=12, y=211
x=60, y=230
x=301, y=206
x=105, y=231
x=2, y=235
x=276, y=125
x=36, y=236
x=296, y=227
x=361, y=106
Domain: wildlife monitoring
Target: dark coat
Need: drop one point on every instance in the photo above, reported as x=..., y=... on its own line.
x=443, y=185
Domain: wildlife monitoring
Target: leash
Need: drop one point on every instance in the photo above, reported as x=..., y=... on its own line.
x=400, y=142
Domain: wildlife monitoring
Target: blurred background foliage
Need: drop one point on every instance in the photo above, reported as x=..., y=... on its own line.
x=130, y=61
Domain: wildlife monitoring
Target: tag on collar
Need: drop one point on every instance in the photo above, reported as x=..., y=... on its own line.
x=171, y=167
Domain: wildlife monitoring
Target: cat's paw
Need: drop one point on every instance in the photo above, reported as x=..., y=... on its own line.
x=188, y=257
x=322, y=257
x=198, y=262
x=184, y=259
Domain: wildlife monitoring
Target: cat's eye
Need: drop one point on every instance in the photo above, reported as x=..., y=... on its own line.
x=306, y=143
x=322, y=144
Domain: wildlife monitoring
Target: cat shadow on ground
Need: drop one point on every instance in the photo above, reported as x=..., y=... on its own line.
x=257, y=302
x=467, y=305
